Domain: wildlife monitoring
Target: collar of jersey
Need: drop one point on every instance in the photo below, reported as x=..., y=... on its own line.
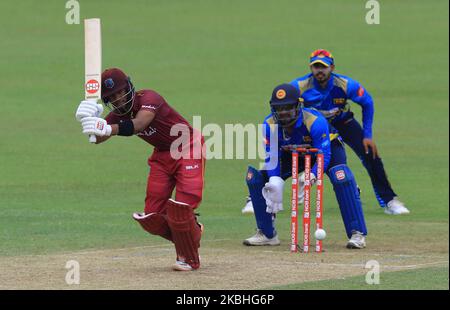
x=329, y=84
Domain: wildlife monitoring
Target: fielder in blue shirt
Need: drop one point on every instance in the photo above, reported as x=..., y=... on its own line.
x=290, y=124
x=329, y=92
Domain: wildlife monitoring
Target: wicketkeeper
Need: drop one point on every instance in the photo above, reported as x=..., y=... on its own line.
x=293, y=125
x=177, y=161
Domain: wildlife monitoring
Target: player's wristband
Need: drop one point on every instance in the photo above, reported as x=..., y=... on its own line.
x=126, y=128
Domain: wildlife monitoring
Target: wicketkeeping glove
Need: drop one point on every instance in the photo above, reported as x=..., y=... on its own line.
x=273, y=194
x=95, y=126
x=88, y=108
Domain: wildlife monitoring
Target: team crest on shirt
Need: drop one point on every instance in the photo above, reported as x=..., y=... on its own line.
x=249, y=175
x=307, y=139
x=339, y=100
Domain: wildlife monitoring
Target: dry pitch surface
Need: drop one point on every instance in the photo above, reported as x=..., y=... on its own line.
x=225, y=265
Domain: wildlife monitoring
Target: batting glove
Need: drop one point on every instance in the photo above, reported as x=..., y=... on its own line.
x=95, y=126
x=273, y=194
x=88, y=108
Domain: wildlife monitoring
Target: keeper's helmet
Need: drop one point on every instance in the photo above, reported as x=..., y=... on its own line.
x=285, y=104
x=115, y=81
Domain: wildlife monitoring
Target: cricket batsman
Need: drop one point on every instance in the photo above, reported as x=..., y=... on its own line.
x=329, y=92
x=293, y=125
x=177, y=161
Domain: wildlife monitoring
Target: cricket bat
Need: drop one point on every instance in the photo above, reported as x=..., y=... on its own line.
x=92, y=62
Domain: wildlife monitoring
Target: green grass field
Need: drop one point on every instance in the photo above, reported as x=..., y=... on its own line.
x=220, y=60
x=399, y=280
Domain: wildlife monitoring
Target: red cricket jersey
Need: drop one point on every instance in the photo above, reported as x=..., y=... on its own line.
x=158, y=132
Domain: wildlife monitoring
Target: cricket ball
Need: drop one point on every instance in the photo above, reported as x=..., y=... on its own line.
x=320, y=234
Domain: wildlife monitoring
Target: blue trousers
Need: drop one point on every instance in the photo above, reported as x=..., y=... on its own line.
x=352, y=134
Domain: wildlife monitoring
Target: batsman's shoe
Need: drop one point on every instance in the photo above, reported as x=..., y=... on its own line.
x=395, y=207
x=248, y=209
x=181, y=265
x=260, y=239
x=357, y=241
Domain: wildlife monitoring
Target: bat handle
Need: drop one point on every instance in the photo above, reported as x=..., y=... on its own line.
x=92, y=138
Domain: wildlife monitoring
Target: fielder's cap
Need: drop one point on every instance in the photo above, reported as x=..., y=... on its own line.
x=285, y=94
x=321, y=56
x=113, y=80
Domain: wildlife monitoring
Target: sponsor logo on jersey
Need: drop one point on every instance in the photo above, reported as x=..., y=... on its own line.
x=148, y=132
x=149, y=107
x=339, y=100
x=307, y=139
x=329, y=113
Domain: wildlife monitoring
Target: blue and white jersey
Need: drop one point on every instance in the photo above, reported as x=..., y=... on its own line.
x=331, y=101
x=310, y=128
